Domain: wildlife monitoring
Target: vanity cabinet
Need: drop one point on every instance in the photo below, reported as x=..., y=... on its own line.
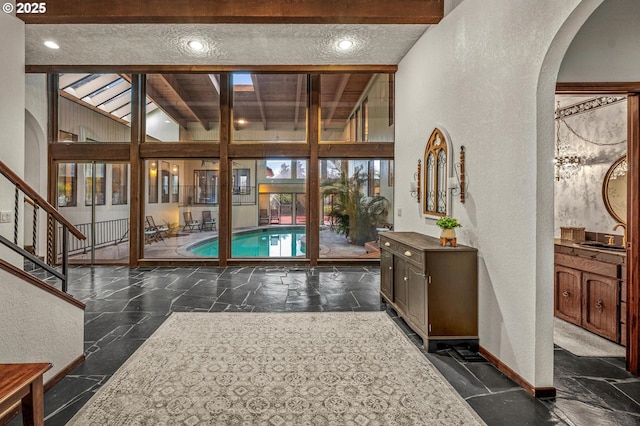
x=434, y=288
x=590, y=291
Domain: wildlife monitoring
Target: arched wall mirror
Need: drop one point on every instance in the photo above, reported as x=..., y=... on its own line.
x=435, y=175
x=614, y=190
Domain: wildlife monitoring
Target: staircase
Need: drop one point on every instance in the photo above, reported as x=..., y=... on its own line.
x=39, y=322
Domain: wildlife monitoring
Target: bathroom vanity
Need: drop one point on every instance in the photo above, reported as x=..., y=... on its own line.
x=590, y=288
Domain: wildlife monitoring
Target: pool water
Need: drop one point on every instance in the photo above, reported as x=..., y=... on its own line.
x=285, y=242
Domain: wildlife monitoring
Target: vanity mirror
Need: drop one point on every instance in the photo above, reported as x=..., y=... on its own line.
x=614, y=190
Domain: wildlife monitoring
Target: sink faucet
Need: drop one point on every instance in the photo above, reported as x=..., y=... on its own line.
x=624, y=233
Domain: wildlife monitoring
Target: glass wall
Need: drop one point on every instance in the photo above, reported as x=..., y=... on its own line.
x=183, y=108
x=356, y=205
x=182, y=208
x=356, y=108
x=102, y=215
x=271, y=225
x=94, y=108
x=269, y=107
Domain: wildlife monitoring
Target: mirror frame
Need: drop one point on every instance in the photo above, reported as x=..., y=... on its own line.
x=605, y=190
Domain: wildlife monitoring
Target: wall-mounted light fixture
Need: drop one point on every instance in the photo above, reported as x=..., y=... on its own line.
x=414, y=186
x=458, y=186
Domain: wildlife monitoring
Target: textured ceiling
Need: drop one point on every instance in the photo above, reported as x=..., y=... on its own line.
x=226, y=44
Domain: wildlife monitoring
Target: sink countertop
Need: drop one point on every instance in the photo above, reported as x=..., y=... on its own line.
x=576, y=249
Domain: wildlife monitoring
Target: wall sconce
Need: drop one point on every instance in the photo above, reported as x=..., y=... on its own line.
x=414, y=186
x=458, y=186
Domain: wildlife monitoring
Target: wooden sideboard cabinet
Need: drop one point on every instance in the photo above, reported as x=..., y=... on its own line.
x=434, y=288
x=590, y=290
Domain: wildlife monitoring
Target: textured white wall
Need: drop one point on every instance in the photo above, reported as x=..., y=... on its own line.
x=488, y=79
x=37, y=326
x=606, y=48
x=12, y=87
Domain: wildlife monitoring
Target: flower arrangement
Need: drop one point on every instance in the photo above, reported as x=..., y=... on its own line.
x=447, y=222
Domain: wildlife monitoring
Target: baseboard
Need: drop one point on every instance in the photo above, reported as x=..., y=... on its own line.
x=541, y=392
x=64, y=372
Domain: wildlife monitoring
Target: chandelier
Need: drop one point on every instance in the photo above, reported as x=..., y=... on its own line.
x=567, y=161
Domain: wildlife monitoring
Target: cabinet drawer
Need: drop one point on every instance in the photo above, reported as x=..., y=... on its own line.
x=410, y=254
x=588, y=265
x=387, y=244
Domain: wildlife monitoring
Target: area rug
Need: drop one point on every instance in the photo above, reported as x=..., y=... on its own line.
x=581, y=342
x=277, y=369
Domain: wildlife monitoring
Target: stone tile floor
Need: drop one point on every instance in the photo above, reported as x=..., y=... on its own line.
x=125, y=306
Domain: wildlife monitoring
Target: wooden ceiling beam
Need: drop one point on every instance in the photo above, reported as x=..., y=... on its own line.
x=237, y=12
x=299, y=89
x=342, y=84
x=165, y=106
x=174, y=85
x=256, y=89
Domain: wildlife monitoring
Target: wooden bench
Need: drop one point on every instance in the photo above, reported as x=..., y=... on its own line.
x=22, y=384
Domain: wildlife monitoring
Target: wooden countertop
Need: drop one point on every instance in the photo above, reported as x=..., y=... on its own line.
x=603, y=255
x=421, y=241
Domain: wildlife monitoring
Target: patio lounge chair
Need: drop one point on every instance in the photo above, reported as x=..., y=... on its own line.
x=208, y=223
x=263, y=217
x=162, y=231
x=190, y=223
x=274, y=217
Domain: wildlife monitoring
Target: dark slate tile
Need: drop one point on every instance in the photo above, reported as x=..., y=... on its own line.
x=195, y=302
x=107, y=360
x=367, y=297
x=145, y=328
x=512, y=408
x=148, y=305
x=567, y=364
x=62, y=416
x=68, y=389
x=294, y=307
x=465, y=383
x=630, y=389
x=493, y=379
x=307, y=300
x=581, y=413
x=219, y=307
x=206, y=289
x=233, y=297
x=341, y=300
x=105, y=305
x=608, y=395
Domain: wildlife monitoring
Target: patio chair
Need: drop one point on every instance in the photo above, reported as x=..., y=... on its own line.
x=208, y=223
x=190, y=223
x=163, y=231
x=263, y=217
x=274, y=217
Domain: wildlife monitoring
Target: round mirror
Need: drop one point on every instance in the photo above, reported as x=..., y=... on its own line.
x=614, y=190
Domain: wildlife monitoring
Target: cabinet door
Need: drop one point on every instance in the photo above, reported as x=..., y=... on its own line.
x=386, y=275
x=417, y=298
x=400, y=283
x=600, y=305
x=568, y=303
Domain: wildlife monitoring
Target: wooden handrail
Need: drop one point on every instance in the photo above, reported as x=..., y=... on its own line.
x=24, y=187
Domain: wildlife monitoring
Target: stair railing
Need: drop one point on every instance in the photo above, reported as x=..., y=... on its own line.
x=53, y=216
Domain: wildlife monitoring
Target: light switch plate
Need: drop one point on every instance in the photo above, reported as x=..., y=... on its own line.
x=5, y=217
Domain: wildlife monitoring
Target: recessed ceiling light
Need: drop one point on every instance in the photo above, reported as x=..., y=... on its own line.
x=196, y=45
x=51, y=44
x=345, y=44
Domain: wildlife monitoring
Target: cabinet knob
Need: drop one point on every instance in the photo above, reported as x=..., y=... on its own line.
x=387, y=244
x=390, y=267
x=406, y=279
x=566, y=293
x=408, y=253
x=599, y=305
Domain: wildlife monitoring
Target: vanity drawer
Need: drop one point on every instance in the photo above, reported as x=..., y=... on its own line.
x=588, y=265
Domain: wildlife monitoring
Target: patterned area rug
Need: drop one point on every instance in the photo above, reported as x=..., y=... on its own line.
x=277, y=369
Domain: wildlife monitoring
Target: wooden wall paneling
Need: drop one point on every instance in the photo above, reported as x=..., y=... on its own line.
x=597, y=88
x=633, y=233
x=271, y=150
x=52, y=172
x=86, y=152
x=313, y=183
x=224, y=221
x=233, y=11
x=378, y=150
x=179, y=150
x=136, y=196
x=211, y=69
